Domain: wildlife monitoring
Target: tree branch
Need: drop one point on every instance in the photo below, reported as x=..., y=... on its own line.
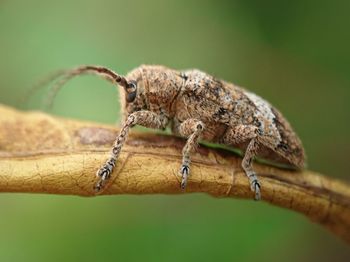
x=44, y=154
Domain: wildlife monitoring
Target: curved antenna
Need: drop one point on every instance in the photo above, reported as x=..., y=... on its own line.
x=40, y=84
x=96, y=70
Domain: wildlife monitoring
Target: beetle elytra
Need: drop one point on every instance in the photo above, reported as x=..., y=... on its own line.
x=199, y=107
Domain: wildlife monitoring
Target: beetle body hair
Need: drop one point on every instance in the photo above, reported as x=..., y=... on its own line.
x=199, y=107
x=220, y=105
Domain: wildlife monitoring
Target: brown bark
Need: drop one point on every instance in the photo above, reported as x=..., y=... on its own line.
x=44, y=154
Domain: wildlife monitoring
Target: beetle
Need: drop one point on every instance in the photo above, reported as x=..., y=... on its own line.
x=197, y=106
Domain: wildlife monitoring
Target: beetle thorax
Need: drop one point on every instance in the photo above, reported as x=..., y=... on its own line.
x=157, y=88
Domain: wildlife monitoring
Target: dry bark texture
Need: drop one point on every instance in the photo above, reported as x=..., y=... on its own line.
x=44, y=154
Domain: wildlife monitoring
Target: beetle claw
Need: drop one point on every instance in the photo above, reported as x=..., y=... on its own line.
x=184, y=171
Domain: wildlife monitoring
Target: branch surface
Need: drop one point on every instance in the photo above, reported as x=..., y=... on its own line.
x=44, y=154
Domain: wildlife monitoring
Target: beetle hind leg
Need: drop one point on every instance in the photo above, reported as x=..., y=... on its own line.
x=248, y=168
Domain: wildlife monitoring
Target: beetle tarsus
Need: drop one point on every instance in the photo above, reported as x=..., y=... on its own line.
x=104, y=173
x=255, y=186
x=184, y=171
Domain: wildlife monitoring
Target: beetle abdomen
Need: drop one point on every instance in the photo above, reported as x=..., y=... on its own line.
x=290, y=147
x=283, y=144
x=216, y=102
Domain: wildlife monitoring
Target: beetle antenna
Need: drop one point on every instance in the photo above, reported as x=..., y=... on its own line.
x=40, y=84
x=67, y=75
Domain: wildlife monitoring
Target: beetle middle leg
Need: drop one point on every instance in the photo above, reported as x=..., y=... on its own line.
x=143, y=118
x=240, y=134
x=191, y=128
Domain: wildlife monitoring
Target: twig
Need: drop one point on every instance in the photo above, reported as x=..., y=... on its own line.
x=43, y=154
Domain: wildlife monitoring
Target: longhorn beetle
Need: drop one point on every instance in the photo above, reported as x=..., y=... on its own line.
x=200, y=107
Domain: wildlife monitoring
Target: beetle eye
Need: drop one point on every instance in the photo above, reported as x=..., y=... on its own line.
x=131, y=92
x=130, y=97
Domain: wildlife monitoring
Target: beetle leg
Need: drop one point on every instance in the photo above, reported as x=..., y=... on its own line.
x=191, y=128
x=240, y=134
x=248, y=168
x=143, y=118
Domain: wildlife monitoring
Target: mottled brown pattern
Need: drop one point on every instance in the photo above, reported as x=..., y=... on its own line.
x=199, y=106
x=290, y=147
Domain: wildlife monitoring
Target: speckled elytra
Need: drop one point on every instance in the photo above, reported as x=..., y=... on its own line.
x=198, y=106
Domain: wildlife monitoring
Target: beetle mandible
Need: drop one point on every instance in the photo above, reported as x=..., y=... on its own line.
x=199, y=107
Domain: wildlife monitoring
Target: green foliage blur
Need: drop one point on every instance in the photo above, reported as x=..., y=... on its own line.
x=293, y=53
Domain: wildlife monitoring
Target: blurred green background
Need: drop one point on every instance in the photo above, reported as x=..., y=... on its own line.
x=293, y=53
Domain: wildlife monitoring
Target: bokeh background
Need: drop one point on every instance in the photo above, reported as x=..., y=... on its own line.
x=293, y=53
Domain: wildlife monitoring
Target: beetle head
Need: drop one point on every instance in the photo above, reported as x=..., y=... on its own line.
x=133, y=97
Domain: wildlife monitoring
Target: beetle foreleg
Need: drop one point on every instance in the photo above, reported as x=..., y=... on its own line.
x=143, y=118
